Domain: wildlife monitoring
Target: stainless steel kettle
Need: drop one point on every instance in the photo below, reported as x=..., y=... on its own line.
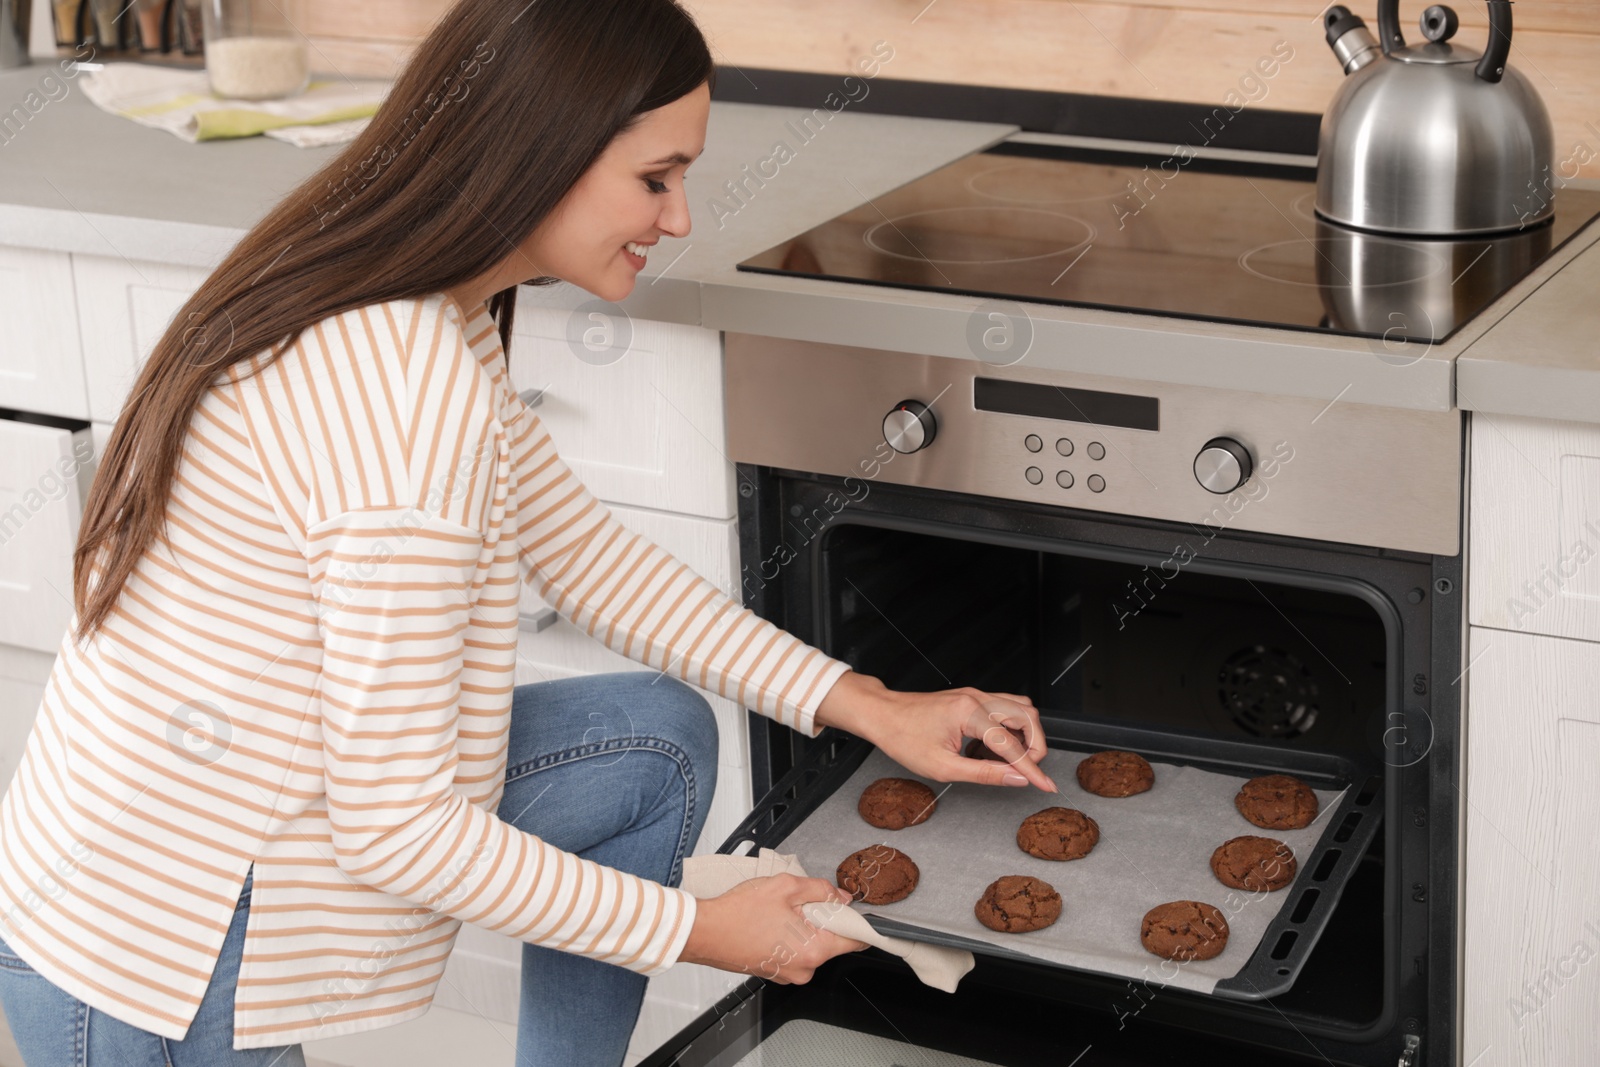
x=1432, y=139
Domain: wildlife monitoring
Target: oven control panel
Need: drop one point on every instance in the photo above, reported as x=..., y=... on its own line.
x=1210, y=458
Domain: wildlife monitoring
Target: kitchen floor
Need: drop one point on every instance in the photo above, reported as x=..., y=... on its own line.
x=442, y=1036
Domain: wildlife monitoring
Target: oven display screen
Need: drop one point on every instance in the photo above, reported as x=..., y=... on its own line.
x=1069, y=405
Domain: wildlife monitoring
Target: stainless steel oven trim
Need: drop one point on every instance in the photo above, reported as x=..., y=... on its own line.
x=1354, y=473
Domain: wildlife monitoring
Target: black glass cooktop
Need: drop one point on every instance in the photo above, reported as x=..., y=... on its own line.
x=1185, y=237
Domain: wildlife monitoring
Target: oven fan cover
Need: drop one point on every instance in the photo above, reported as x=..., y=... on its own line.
x=1268, y=691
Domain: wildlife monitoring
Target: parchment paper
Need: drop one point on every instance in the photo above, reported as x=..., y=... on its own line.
x=1154, y=847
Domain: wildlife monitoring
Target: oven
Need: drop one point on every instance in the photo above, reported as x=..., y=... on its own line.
x=1216, y=579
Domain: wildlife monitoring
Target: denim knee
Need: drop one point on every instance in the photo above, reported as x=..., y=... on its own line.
x=682, y=717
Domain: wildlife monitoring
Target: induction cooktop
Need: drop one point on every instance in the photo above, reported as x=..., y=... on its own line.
x=1180, y=236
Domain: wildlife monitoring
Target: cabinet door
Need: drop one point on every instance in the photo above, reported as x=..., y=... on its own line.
x=41, y=364
x=1534, y=552
x=124, y=309
x=44, y=470
x=1531, y=943
x=635, y=407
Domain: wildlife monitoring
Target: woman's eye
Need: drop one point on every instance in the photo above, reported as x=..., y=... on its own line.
x=655, y=186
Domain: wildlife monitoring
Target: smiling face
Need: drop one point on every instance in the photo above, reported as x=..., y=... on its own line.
x=633, y=193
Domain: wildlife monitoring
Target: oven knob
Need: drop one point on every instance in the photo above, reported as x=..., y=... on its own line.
x=910, y=426
x=1223, y=465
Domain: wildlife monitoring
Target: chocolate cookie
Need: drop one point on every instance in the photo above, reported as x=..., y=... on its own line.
x=1116, y=774
x=1184, y=930
x=1277, y=802
x=896, y=803
x=1254, y=863
x=1017, y=904
x=1058, y=834
x=878, y=875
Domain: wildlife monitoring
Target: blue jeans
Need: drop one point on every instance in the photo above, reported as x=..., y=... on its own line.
x=618, y=768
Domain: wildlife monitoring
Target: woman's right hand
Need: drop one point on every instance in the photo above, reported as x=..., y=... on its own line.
x=757, y=928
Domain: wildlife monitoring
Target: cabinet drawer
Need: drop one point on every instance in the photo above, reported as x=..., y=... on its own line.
x=45, y=468
x=1534, y=557
x=41, y=363
x=124, y=308
x=634, y=407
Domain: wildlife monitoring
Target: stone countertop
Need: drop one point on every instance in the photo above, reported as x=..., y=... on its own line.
x=1543, y=359
x=76, y=179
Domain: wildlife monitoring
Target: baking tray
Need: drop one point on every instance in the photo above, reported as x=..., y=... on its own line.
x=1276, y=959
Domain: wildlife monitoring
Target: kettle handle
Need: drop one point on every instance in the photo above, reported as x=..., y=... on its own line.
x=1492, y=67
x=1389, y=35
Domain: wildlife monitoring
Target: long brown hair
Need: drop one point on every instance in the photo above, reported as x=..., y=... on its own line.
x=498, y=113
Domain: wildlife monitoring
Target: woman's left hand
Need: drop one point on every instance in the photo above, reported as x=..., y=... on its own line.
x=925, y=732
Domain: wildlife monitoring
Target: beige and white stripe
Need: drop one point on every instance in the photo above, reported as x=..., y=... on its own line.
x=314, y=675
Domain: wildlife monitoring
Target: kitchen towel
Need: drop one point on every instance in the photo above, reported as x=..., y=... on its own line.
x=710, y=876
x=181, y=102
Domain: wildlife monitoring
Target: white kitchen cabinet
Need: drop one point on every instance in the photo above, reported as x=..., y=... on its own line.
x=124, y=307
x=1535, y=526
x=637, y=406
x=44, y=472
x=24, y=672
x=41, y=363
x=1531, y=941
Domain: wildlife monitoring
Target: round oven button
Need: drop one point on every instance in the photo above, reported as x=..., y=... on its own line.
x=1097, y=484
x=1064, y=446
x=1032, y=442
x=1097, y=450
x=1035, y=475
x=1223, y=465
x=910, y=426
x=1064, y=479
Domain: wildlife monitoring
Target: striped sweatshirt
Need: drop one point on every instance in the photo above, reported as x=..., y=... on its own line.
x=313, y=674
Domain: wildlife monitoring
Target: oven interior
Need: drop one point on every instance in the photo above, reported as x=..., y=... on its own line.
x=1161, y=645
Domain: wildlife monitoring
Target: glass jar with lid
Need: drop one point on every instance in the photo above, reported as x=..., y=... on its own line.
x=252, y=53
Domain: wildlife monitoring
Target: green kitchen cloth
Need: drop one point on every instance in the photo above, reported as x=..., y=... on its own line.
x=181, y=102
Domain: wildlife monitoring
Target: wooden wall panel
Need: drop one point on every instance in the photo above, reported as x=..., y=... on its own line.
x=1156, y=49
x=358, y=57
x=388, y=20
x=1578, y=16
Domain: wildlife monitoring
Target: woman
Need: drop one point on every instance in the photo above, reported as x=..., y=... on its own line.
x=281, y=756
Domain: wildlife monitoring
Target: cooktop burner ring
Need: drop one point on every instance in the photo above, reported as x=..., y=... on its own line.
x=1084, y=235
x=1426, y=264
x=973, y=186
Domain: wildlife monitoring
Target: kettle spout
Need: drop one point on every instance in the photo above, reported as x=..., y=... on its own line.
x=1352, y=43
